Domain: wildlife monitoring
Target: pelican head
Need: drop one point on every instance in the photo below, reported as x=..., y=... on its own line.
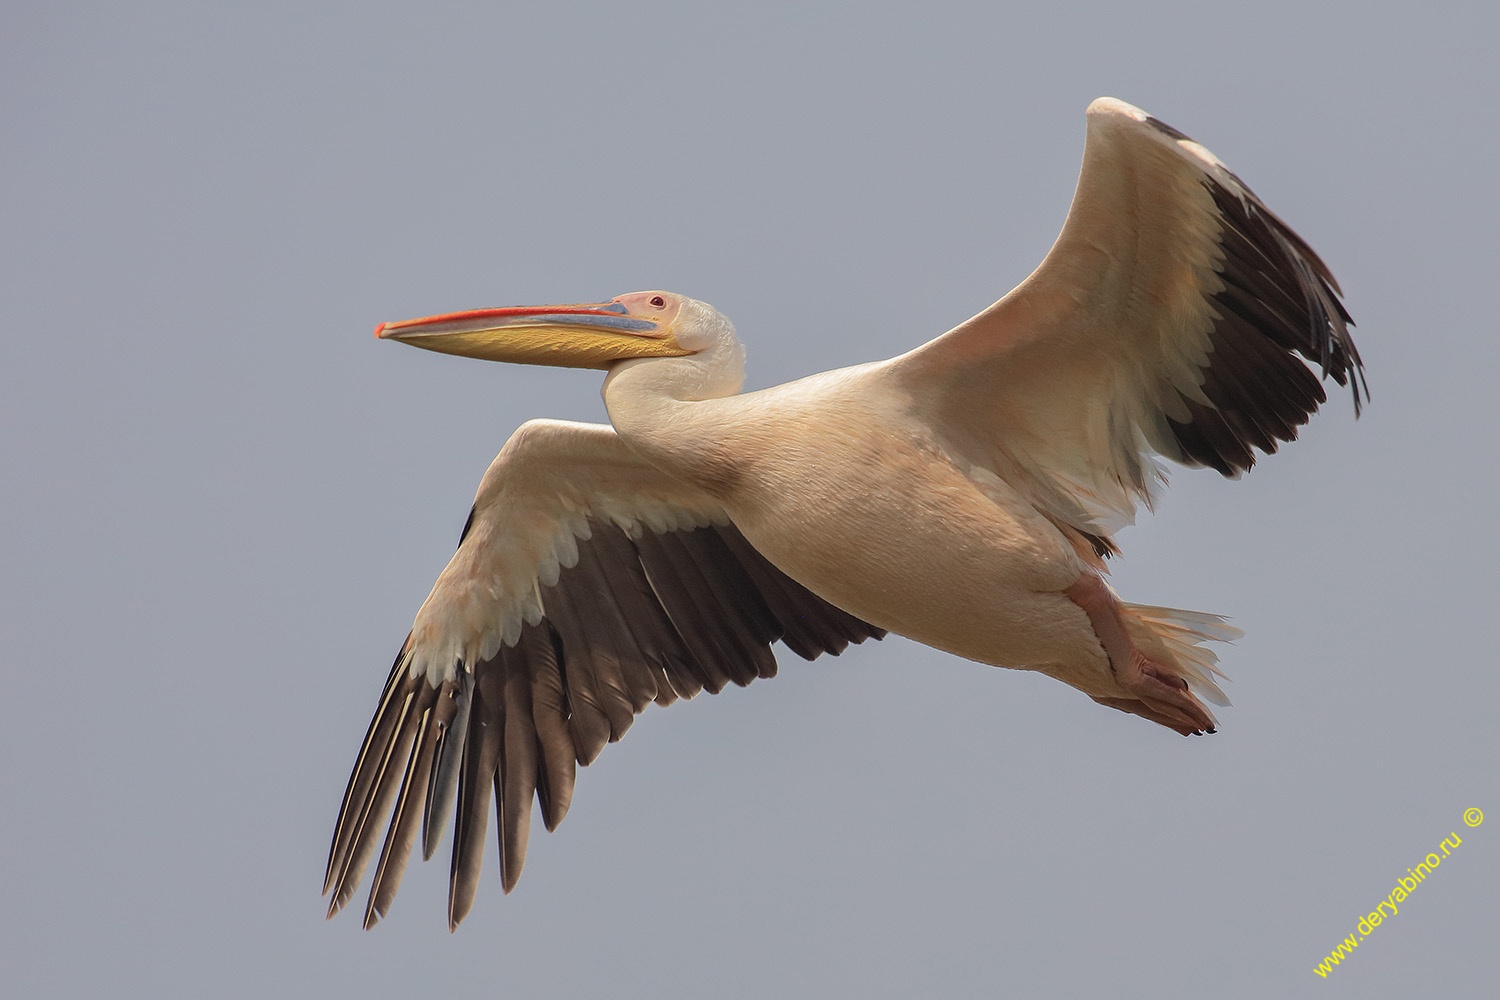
x=590, y=335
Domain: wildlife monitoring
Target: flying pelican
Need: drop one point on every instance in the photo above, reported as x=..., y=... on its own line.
x=964, y=494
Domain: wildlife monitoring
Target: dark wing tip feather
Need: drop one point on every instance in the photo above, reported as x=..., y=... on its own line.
x=372, y=785
x=403, y=827
x=1163, y=127
x=476, y=777
x=634, y=621
x=442, y=781
x=1279, y=300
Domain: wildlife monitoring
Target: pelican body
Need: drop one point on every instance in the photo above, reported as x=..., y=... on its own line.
x=964, y=494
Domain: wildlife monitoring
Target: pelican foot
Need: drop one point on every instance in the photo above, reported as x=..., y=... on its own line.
x=1157, y=691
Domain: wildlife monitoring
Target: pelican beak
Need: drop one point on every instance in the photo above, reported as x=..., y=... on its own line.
x=593, y=335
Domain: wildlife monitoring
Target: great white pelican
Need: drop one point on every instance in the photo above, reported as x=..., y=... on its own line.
x=964, y=494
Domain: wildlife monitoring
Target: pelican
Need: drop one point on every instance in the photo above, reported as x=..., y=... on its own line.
x=964, y=494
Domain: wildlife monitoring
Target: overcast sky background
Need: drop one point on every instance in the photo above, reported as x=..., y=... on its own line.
x=223, y=501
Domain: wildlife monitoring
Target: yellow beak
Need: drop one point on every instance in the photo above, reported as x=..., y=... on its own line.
x=573, y=336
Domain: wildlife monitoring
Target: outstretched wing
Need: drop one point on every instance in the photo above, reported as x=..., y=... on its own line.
x=1168, y=317
x=586, y=586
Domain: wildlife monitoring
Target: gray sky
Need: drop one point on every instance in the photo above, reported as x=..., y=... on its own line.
x=224, y=501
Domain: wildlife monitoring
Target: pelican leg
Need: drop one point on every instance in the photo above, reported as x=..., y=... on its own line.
x=1158, y=693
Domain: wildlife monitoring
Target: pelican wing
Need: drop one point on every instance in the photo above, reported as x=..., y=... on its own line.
x=1168, y=317
x=586, y=585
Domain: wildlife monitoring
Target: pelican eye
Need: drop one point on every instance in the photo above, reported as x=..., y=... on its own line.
x=658, y=301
